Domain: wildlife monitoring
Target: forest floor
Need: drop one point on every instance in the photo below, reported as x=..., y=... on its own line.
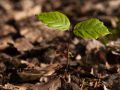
x=33, y=57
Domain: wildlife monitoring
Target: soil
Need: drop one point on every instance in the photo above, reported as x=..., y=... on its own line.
x=34, y=57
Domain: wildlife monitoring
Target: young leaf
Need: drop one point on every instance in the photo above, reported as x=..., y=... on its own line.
x=91, y=29
x=55, y=20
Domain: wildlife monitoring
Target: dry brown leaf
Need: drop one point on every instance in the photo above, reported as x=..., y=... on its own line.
x=23, y=44
x=6, y=29
x=114, y=44
x=13, y=87
x=4, y=42
x=19, y=15
x=31, y=35
x=34, y=74
x=94, y=44
x=38, y=32
x=53, y=84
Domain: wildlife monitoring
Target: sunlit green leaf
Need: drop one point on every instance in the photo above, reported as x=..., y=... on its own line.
x=55, y=20
x=91, y=29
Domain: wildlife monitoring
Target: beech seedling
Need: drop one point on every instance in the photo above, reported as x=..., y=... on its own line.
x=91, y=28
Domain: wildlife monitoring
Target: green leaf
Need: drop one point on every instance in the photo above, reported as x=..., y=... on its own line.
x=55, y=20
x=90, y=29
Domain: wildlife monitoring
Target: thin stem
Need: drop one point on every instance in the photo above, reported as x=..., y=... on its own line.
x=68, y=58
x=68, y=48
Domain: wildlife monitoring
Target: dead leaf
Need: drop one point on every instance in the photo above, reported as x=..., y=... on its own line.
x=6, y=30
x=13, y=87
x=37, y=73
x=4, y=42
x=23, y=44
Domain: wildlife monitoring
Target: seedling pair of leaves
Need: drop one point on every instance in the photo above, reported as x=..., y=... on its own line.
x=89, y=29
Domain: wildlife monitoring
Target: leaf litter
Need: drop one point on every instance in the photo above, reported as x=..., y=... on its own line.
x=30, y=53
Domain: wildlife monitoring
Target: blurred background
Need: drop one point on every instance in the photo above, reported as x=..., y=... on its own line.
x=76, y=10
x=24, y=38
x=19, y=26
